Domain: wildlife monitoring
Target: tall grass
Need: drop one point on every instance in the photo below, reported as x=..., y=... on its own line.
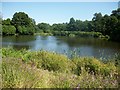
x=80, y=34
x=41, y=69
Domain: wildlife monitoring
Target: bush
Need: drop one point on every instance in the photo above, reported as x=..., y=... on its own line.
x=60, y=63
x=93, y=66
x=8, y=30
x=71, y=35
x=54, y=62
x=22, y=30
x=26, y=30
x=41, y=69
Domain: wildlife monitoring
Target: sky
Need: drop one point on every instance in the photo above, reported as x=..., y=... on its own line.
x=59, y=0
x=58, y=12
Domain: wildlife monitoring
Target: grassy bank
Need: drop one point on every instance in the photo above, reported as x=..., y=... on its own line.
x=74, y=34
x=41, y=69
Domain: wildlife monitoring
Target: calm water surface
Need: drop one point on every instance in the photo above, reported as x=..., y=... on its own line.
x=65, y=45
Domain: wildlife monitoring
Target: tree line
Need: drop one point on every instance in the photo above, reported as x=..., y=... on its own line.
x=22, y=24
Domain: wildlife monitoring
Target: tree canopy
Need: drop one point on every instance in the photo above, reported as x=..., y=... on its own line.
x=21, y=23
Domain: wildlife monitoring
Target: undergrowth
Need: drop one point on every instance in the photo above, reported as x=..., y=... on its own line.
x=42, y=69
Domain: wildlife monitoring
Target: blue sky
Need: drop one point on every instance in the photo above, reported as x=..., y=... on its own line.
x=57, y=12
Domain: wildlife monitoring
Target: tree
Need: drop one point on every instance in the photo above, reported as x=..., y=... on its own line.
x=59, y=27
x=116, y=13
x=114, y=28
x=43, y=26
x=79, y=25
x=85, y=26
x=33, y=21
x=97, y=17
x=97, y=22
x=71, y=25
x=8, y=29
x=22, y=20
x=24, y=30
x=6, y=22
x=21, y=23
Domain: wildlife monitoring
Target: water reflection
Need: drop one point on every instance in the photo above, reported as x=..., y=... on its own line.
x=66, y=45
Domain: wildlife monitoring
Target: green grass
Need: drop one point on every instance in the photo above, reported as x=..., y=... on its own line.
x=42, y=69
x=74, y=34
x=43, y=34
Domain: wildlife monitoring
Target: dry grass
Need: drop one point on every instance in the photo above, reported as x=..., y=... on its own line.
x=25, y=69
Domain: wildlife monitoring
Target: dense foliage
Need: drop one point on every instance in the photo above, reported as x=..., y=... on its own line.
x=42, y=69
x=21, y=23
x=107, y=25
x=8, y=29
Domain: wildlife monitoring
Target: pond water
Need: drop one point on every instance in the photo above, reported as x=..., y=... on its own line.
x=66, y=45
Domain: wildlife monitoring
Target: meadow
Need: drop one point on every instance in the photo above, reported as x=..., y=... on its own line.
x=42, y=69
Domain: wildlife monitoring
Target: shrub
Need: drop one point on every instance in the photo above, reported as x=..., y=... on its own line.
x=93, y=66
x=41, y=69
x=54, y=62
x=71, y=35
x=8, y=29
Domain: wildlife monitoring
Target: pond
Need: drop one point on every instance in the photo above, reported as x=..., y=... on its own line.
x=64, y=45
